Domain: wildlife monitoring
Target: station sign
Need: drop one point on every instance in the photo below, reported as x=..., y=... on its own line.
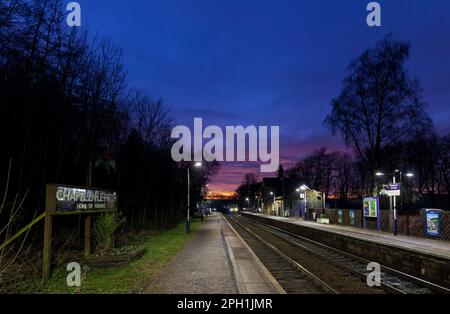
x=79, y=200
x=370, y=207
x=393, y=189
x=63, y=200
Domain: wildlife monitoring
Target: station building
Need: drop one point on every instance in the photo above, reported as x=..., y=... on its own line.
x=283, y=197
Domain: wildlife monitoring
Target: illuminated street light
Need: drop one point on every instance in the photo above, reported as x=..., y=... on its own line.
x=198, y=164
x=394, y=198
x=273, y=206
x=303, y=188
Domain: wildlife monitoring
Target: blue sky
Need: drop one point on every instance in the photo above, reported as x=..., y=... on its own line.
x=267, y=62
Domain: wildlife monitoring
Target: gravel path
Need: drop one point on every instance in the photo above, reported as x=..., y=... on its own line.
x=202, y=267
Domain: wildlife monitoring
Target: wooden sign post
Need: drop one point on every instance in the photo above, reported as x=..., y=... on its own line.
x=50, y=206
x=87, y=235
x=62, y=200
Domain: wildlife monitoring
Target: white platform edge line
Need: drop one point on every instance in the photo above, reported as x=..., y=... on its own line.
x=361, y=237
x=237, y=275
x=261, y=266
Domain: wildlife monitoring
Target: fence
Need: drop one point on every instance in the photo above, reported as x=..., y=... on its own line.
x=409, y=223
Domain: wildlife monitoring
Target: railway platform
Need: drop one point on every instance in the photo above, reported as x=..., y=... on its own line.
x=438, y=248
x=425, y=258
x=216, y=260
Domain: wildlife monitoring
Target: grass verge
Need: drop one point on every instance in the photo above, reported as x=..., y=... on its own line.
x=133, y=278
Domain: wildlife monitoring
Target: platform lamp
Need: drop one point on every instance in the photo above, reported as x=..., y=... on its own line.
x=394, y=175
x=303, y=188
x=273, y=206
x=188, y=218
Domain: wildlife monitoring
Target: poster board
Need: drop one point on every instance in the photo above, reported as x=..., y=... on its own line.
x=433, y=222
x=352, y=217
x=371, y=207
x=371, y=210
x=341, y=216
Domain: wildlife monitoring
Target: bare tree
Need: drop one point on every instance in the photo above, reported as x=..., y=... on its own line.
x=379, y=103
x=316, y=170
x=249, y=188
x=445, y=166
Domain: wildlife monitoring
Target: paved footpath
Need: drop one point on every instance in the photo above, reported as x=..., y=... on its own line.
x=216, y=260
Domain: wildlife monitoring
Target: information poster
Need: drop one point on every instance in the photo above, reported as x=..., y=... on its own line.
x=341, y=217
x=351, y=215
x=370, y=207
x=433, y=222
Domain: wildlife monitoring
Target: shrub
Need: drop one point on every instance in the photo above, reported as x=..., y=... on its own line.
x=105, y=230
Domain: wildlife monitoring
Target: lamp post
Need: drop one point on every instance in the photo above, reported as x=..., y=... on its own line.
x=394, y=198
x=303, y=188
x=273, y=206
x=259, y=202
x=395, y=205
x=188, y=218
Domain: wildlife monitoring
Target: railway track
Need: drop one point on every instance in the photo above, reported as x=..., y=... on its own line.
x=336, y=271
x=295, y=270
x=293, y=277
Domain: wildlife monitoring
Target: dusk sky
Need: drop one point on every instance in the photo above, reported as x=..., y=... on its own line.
x=267, y=62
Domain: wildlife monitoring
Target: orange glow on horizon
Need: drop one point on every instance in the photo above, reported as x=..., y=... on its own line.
x=221, y=195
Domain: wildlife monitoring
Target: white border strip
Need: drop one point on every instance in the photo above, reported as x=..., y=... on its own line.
x=261, y=266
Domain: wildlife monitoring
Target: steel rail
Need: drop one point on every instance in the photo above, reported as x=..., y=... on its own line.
x=413, y=279
x=288, y=259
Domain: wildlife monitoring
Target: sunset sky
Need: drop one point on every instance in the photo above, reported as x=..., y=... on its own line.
x=267, y=62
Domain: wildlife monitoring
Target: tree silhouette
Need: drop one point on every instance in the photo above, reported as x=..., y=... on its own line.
x=379, y=104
